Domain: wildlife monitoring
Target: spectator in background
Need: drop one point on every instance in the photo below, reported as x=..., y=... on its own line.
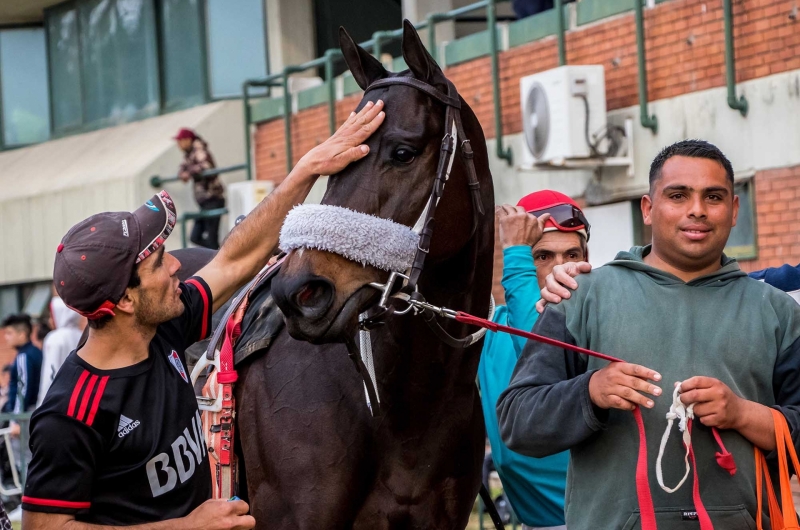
x=68, y=327
x=208, y=191
x=40, y=330
x=24, y=385
x=546, y=228
x=23, y=388
x=526, y=8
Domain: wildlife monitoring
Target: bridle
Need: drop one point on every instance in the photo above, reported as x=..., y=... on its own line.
x=402, y=286
x=454, y=131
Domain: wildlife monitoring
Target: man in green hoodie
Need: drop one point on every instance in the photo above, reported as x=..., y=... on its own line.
x=679, y=311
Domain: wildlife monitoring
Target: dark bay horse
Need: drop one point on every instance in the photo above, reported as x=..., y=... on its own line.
x=315, y=458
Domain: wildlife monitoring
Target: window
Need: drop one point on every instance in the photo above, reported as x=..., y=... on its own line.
x=65, y=67
x=23, y=85
x=236, y=44
x=108, y=62
x=742, y=241
x=118, y=59
x=182, y=52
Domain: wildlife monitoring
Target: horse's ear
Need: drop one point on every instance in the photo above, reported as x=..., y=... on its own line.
x=417, y=58
x=366, y=69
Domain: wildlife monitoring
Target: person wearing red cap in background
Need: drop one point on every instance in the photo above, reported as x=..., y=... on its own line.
x=118, y=440
x=546, y=228
x=208, y=191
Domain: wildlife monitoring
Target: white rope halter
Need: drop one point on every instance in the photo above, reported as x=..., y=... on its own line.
x=682, y=413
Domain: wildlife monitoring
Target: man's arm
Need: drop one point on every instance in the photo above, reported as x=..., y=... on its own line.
x=521, y=289
x=211, y=515
x=251, y=244
x=553, y=403
x=546, y=408
x=716, y=405
x=519, y=232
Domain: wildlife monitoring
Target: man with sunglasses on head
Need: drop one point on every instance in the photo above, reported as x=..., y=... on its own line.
x=545, y=229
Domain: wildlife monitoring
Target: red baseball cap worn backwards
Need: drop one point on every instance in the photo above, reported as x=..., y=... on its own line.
x=96, y=258
x=565, y=214
x=185, y=134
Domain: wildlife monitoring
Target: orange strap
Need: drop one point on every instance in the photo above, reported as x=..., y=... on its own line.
x=783, y=515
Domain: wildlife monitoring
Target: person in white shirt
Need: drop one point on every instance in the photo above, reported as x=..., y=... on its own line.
x=67, y=329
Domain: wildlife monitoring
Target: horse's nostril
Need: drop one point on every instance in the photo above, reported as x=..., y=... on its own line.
x=313, y=295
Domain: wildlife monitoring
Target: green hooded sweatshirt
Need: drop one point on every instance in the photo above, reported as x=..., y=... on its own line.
x=722, y=325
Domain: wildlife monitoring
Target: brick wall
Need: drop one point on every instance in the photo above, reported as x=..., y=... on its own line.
x=776, y=192
x=685, y=53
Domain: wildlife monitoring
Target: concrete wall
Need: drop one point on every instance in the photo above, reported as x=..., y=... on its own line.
x=291, y=33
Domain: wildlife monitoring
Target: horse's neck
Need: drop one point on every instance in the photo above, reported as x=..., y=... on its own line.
x=412, y=355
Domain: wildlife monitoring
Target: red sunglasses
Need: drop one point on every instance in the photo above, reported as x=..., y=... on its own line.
x=567, y=217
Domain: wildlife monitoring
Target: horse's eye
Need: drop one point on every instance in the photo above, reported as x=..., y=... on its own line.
x=404, y=155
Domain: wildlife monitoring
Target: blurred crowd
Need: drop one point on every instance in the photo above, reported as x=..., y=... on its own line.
x=31, y=352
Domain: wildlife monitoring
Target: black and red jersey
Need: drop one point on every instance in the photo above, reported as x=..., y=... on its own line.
x=125, y=446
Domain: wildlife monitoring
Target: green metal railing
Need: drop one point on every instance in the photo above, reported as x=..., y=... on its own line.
x=157, y=181
x=192, y=216
x=560, y=31
x=24, y=421
x=730, y=65
x=375, y=45
x=648, y=121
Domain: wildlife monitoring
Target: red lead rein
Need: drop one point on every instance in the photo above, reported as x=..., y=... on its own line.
x=646, y=509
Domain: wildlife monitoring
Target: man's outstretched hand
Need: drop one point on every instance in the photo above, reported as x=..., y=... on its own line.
x=346, y=145
x=559, y=282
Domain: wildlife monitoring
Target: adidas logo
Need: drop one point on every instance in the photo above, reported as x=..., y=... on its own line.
x=126, y=425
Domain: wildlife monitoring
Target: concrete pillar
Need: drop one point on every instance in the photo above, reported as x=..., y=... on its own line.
x=291, y=33
x=417, y=10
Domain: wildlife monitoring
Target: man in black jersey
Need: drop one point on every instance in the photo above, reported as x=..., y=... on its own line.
x=118, y=439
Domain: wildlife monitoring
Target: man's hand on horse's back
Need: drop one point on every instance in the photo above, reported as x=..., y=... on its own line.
x=560, y=281
x=216, y=514
x=346, y=145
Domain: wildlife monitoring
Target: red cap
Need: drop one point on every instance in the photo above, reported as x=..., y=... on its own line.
x=185, y=134
x=544, y=199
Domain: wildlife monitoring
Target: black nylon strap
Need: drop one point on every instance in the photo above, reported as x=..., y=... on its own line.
x=491, y=509
x=422, y=86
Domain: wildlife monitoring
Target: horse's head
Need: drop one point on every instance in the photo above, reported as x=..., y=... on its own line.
x=321, y=293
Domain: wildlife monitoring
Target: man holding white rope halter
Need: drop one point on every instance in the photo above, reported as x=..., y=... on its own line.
x=117, y=441
x=732, y=346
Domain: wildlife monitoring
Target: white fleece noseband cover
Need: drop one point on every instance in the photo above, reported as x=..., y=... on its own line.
x=357, y=236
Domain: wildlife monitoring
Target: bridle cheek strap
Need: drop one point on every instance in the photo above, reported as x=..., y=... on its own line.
x=454, y=131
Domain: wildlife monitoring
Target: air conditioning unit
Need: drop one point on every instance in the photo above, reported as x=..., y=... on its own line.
x=244, y=196
x=554, y=113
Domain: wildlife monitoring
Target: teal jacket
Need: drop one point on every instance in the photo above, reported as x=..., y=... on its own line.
x=534, y=486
